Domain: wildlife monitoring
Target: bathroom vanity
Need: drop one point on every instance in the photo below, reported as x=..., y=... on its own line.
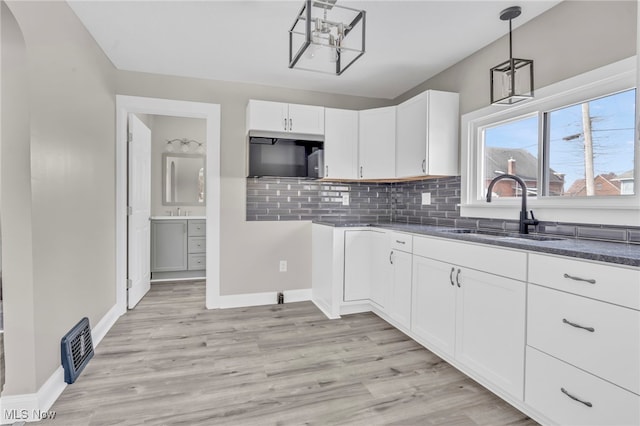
x=178, y=247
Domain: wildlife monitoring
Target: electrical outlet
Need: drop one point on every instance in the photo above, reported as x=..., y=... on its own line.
x=345, y=199
x=426, y=198
x=283, y=266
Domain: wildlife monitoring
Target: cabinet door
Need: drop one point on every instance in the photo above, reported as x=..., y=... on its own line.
x=411, y=137
x=380, y=282
x=433, y=304
x=377, y=143
x=341, y=144
x=399, y=308
x=357, y=265
x=490, y=327
x=442, y=133
x=168, y=245
x=306, y=119
x=267, y=116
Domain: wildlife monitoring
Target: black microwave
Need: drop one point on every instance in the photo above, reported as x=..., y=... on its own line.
x=285, y=157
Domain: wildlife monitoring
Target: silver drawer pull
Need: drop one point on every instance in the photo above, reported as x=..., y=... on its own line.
x=590, y=281
x=587, y=403
x=401, y=242
x=573, y=324
x=451, y=276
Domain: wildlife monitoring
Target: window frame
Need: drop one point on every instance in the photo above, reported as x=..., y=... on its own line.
x=618, y=210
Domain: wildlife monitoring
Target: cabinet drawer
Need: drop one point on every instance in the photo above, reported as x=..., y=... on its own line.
x=402, y=242
x=546, y=378
x=507, y=263
x=197, y=228
x=611, y=351
x=197, y=245
x=609, y=283
x=197, y=261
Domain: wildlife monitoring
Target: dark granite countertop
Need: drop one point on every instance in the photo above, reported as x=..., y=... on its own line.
x=619, y=253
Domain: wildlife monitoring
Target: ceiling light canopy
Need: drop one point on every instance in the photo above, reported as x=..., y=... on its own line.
x=512, y=80
x=326, y=37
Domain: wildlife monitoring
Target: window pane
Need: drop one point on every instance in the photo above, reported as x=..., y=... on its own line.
x=511, y=148
x=591, y=147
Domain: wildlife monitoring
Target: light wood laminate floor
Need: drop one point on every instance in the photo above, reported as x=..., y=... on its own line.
x=172, y=362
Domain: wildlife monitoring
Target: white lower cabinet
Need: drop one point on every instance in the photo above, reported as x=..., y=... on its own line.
x=366, y=269
x=475, y=317
x=583, y=342
x=567, y=395
x=484, y=308
x=401, y=262
x=433, y=308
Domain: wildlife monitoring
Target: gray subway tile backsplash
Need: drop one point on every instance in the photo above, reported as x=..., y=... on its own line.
x=280, y=199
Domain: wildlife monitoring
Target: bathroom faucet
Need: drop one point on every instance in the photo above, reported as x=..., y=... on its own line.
x=524, y=216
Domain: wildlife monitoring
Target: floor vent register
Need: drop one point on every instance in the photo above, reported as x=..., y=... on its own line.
x=77, y=350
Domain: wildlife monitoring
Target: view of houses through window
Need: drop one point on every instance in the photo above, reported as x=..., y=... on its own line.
x=588, y=150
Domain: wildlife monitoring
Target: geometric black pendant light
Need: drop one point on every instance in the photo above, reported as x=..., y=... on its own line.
x=512, y=80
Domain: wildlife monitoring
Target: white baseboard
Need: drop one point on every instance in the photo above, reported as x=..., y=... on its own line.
x=267, y=298
x=33, y=407
x=326, y=309
x=104, y=325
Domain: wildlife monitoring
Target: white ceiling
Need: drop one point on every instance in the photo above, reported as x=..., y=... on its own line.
x=247, y=41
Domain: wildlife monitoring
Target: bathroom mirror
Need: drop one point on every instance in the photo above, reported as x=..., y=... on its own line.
x=183, y=179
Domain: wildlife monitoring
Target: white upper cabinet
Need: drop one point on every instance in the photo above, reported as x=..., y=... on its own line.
x=341, y=144
x=377, y=143
x=427, y=135
x=266, y=118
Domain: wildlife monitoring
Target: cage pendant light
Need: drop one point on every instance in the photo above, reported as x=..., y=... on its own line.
x=326, y=37
x=512, y=80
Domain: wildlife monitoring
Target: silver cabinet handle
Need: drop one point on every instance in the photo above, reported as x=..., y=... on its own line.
x=458, y=277
x=571, y=277
x=401, y=242
x=390, y=257
x=326, y=170
x=424, y=166
x=573, y=324
x=285, y=123
x=361, y=171
x=290, y=124
x=451, y=276
x=564, y=391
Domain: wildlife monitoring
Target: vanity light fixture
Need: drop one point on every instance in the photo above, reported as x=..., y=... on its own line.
x=512, y=80
x=326, y=37
x=185, y=145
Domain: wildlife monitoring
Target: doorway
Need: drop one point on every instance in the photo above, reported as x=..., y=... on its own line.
x=211, y=113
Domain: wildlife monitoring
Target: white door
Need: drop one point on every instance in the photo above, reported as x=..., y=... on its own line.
x=306, y=119
x=268, y=116
x=490, y=327
x=377, y=143
x=357, y=265
x=400, y=300
x=139, y=200
x=411, y=137
x=341, y=143
x=433, y=309
x=380, y=269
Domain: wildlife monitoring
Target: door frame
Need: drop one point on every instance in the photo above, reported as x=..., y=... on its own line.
x=157, y=106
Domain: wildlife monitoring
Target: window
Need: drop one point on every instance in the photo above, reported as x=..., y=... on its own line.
x=590, y=150
x=574, y=145
x=591, y=146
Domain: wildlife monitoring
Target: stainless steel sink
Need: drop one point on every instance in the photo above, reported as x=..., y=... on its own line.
x=501, y=234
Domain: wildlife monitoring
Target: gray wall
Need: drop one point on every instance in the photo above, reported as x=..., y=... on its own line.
x=71, y=97
x=250, y=251
x=571, y=38
x=165, y=128
x=15, y=212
